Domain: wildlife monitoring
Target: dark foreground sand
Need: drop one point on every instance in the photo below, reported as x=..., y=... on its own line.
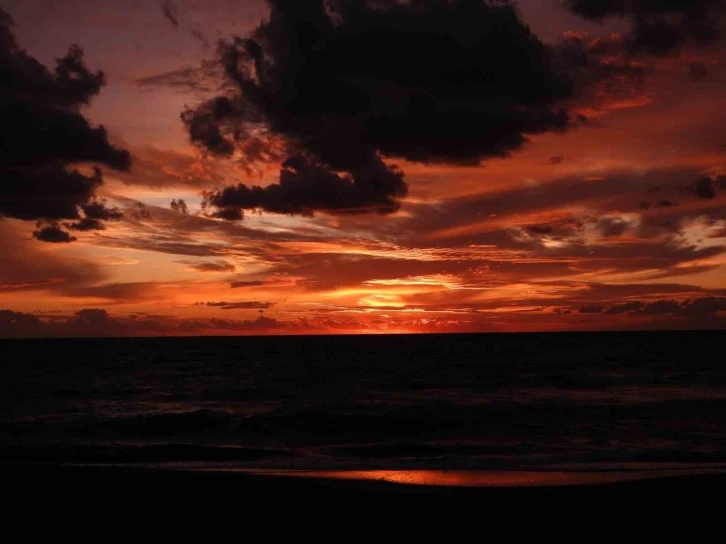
x=64, y=498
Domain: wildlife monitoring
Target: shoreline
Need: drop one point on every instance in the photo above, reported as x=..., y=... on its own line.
x=55, y=499
x=20, y=477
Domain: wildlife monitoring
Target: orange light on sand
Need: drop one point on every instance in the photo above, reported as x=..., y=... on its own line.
x=501, y=478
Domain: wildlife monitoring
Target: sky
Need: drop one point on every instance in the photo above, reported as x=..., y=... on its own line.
x=350, y=166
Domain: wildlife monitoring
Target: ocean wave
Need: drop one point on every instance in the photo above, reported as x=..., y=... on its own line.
x=122, y=453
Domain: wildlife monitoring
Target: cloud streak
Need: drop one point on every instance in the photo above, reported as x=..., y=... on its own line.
x=170, y=12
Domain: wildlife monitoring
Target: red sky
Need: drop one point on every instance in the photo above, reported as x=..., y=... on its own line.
x=598, y=227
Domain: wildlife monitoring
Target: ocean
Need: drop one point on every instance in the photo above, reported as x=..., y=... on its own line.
x=526, y=402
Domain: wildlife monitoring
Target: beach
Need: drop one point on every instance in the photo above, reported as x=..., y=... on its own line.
x=129, y=505
x=57, y=487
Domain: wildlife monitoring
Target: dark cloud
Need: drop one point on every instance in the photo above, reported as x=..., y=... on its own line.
x=139, y=211
x=661, y=307
x=695, y=309
x=52, y=233
x=539, y=229
x=217, y=266
x=708, y=306
x=14, y=324
x=180, y=206
x=99, y=323
x=170, y=11
x=705, y=187
x=90, y=316
x=306, y=186
x=201, y=37
x=241, y=284
x=628, y=307
x=664, y=203
x=43, y=132
x=205, y=78
x=240, y=305
x=705, y=312
x=11, y=286
x=658, y=26
x=260, y=325
x=559, y=159
x=85, y=323
x=347, y=82
x=86, y=224
x=98, y=210
x=116, y=292
x=559, y=229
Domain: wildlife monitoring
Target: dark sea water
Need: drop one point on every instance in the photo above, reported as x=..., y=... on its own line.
x=484, y=402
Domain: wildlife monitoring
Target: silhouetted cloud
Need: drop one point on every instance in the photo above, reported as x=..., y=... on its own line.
x=305, y=187
x=212, y=267
x=179, y=206
x=696, y=311
x=84, y=323
x=17, y=324
x=539, y=229
x=95, y=213
x=140, y=211
x=241, y=284
x=94, y=322
x=345, y=83
x=86, y=224
x=11, y=286
x=240, y=305
x=625, y=308
x=98, y=210
x=201, y=37
x=52, y=233
x=559, y=159
x=43, y=131
x=591, y=310
x=658, y=26
x=170, y=11
x=205, y=78
x=705, y=187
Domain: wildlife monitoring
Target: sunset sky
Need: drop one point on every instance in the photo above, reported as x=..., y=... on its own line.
x=420, y=166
